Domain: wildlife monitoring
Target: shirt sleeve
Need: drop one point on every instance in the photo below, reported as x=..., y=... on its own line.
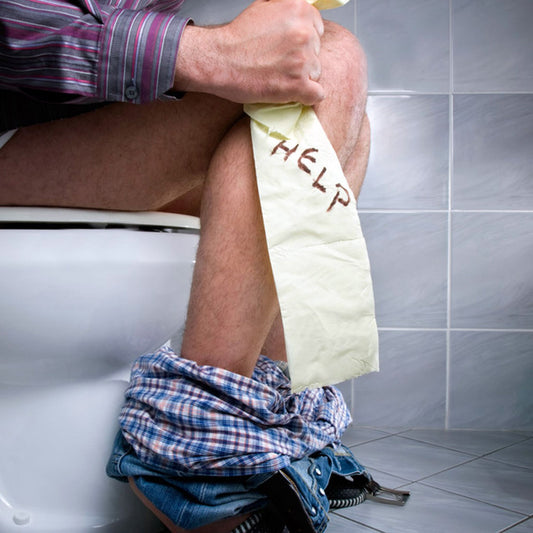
x=99, y=52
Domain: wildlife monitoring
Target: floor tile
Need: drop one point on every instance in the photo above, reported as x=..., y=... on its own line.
x=358, y=435
x=505, y=485
x=523, y=527
x=339, y=524
x=407, y=458
x=472, y=442
x=432, y=511
x=520, y=454
x=388, y=480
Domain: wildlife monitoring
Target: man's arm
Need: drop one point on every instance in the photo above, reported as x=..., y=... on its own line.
x=83, y=49
x=269, y=53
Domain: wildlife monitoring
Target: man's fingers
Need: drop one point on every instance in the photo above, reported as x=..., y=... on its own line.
x=318, y=23
x=311, y=93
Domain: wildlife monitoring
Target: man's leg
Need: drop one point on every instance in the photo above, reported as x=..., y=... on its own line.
x=233, y=301
x=122, y=156
x=143, y=157
x=233, y=298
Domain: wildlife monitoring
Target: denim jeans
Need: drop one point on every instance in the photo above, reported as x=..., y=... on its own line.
x=189, y=501
x=193, y=501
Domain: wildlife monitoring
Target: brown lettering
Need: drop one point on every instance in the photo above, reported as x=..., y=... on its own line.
x=282, y=146
x=337, y=198
x=317, y=183
x=305, y=155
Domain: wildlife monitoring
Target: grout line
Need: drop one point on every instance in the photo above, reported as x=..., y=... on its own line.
x=352, y=398
x=414, y=92
x=475, y=455
x=495, y=211
x=450, y=43
x=449, y=222
x=352, y=521
x=458, y=494
x=466, y=330
x=508, y=528
x=507, y=463
x=425, y=478
x=395, y=211
x=484, y=92
x=399, y=211
x=450, y=449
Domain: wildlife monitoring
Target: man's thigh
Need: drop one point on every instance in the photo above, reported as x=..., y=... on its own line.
x=121, y=156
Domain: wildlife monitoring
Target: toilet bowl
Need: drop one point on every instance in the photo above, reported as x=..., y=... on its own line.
x=83, y=293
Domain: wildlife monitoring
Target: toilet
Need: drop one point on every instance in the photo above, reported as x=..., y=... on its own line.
x=83, y=293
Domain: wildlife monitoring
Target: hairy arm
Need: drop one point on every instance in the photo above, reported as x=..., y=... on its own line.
x=269, y=53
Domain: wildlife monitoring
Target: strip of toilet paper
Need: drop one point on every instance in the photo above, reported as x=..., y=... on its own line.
x=316, y=247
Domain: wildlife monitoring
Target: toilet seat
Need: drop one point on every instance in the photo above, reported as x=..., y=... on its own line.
x=95, y=217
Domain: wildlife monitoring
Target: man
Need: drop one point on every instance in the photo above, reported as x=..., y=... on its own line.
x=191, y=155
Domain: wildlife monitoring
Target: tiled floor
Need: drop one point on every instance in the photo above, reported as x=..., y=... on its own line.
x=460, y=481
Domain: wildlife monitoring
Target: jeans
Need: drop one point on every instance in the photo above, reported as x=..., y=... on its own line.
x=194, y=501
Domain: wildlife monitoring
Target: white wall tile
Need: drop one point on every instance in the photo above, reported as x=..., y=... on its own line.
x=493, y=146
x=408, y=166
x=490, y=380
x=407, y=44
x=492, y=282
x=205, y=12
x=492, y=45
x=410, y=389
x=408, y=259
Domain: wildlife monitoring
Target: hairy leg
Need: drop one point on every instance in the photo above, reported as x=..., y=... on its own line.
x=121, y=156
x=233, y=297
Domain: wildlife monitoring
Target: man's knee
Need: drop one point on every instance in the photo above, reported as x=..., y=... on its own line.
x=344, y=78
x=345, y=65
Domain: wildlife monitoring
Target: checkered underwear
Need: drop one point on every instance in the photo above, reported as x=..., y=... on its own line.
x=202, y=420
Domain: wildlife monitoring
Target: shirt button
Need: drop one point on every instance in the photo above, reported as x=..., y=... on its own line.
x=321, y=491
x=131, y=92
x=312, y=512
x=318, y=472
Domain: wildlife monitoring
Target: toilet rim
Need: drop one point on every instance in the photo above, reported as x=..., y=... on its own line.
x=93, y=218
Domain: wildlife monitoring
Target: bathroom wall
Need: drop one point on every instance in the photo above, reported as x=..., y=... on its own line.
x=447, y=208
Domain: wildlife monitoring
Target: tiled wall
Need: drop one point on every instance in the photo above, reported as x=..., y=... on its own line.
x=447, y=208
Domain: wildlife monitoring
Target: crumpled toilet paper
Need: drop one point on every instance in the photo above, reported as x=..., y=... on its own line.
x=316, y=247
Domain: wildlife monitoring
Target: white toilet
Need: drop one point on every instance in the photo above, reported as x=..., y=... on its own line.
x=82, y=294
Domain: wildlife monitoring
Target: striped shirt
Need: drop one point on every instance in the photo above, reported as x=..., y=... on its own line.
x=89, y=50
x=186, y=419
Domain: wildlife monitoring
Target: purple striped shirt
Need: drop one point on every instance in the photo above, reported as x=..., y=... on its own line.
x=99, y=50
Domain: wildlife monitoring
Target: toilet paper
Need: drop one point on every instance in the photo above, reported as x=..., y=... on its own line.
x=316, y=247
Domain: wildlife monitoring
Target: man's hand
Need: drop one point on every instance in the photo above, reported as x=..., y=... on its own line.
x=268, y=54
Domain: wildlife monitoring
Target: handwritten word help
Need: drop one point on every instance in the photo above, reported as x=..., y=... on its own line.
x=305, y=158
